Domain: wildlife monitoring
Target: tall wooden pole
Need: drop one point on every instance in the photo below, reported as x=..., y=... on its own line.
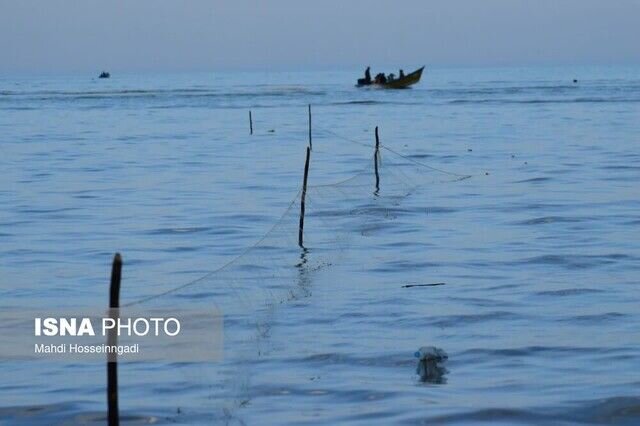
x=310, y=144
x=302, y=199
x=112, y=339
x=375, y=161
x=250, y=123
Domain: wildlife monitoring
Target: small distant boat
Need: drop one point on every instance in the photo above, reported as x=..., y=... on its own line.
x=104, y=74
x=397, y=83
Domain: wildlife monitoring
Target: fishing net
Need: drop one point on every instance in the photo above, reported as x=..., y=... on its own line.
x=278, y=269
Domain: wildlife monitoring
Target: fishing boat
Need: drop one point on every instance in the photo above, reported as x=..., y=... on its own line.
x=104, y=74
x=397, y=83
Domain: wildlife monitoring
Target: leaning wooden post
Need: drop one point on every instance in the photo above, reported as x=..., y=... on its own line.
x=250, y=123
x=310, y=144
x=302, y=199
x=112, y=339
x=375, y=161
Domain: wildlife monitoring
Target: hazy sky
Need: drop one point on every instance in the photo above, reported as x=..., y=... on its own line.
x=89, y=35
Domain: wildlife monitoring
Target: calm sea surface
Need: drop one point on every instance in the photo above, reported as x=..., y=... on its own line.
x=539, y=249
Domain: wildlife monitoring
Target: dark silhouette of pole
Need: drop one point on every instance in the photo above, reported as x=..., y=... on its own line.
x=112, y=339
x=250, y=123
x=375, y=161
x=310, y=144
x=302, y=199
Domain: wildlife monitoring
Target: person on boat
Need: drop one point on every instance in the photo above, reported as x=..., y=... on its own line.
x=401, y=74
x=380, y=78
x=367, y=78
x=391, y=77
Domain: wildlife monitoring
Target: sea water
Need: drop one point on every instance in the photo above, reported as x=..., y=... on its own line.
x=538, y=250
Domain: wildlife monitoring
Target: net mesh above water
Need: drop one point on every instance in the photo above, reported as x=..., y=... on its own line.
x=277, y=270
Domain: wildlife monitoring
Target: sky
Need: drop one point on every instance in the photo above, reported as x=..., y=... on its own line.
x=211, y=35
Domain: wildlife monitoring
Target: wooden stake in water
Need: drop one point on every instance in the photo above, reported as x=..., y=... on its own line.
x=375, y=162
x=112, y=339
x=310, y=144
x=250, y=123
x=302, y=198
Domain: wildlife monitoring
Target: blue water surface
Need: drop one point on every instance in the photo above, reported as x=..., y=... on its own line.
x=538, y=250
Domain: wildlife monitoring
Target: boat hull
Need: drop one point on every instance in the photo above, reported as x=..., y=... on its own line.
x=400, y=83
